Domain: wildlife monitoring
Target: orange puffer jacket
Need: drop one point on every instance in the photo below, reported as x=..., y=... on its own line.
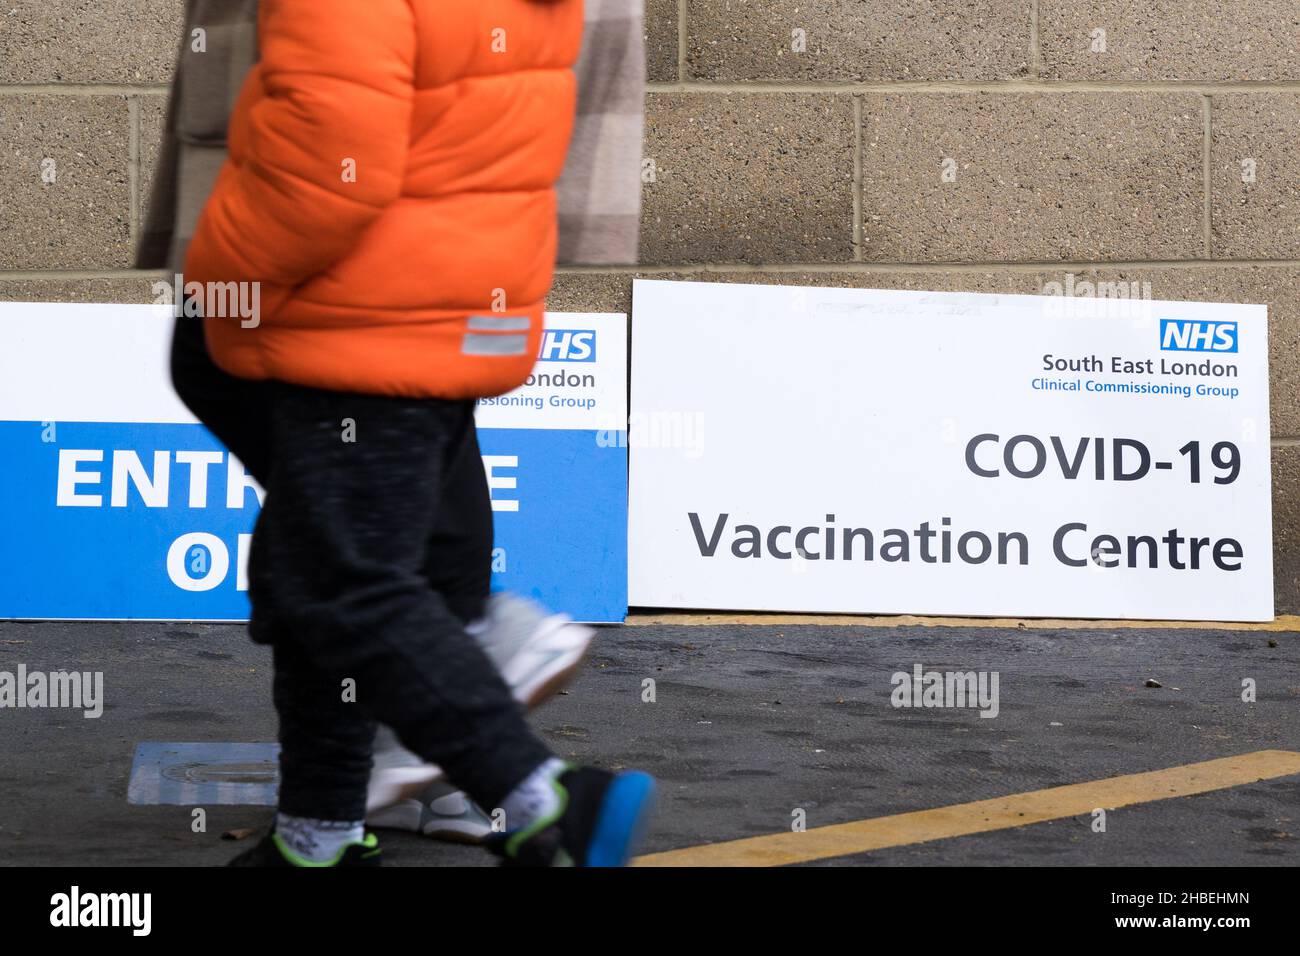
x=391, y=186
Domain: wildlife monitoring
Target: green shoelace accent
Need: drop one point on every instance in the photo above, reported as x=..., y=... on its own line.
x=541, y=823
x=370, y=843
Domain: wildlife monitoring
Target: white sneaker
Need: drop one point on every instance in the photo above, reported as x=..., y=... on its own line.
x=537, y=653
x=396, y=773
x=439, y=811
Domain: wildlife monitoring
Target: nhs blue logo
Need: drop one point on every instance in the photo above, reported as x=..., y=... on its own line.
x=1188, y=335
x=568, y=345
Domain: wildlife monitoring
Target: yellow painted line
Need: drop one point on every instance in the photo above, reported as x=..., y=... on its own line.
x=1285, y=622
x=1000, y=813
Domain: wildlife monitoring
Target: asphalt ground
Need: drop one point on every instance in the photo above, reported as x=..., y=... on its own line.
x=751, y=730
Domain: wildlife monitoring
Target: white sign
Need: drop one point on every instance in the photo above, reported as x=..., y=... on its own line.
x=857, y=451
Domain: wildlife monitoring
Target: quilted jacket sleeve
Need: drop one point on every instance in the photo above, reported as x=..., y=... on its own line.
x=324, y=149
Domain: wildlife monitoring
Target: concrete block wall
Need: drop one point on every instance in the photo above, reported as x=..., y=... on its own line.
x=803, y=142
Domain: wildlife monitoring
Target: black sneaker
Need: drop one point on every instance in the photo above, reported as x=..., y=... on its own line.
x=600, y=822
x=272, y=851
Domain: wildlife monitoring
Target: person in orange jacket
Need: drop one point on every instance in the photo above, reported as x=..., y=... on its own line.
x=390, y=190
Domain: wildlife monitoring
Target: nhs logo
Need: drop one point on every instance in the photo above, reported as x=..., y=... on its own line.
x=1188, y=335
x=568, y=345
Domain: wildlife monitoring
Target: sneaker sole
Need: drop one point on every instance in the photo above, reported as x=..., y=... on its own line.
x=624, y=816
x=464, y=834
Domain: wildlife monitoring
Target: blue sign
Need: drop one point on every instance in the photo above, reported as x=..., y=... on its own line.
x=153, y=520
x=150, y=521
x=561, y=533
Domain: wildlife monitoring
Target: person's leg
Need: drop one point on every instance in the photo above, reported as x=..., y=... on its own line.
x=235, y=410
x=324, y=738
x=338, y=564
x=459, y=560
x=324, y=757
x=536, y=651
